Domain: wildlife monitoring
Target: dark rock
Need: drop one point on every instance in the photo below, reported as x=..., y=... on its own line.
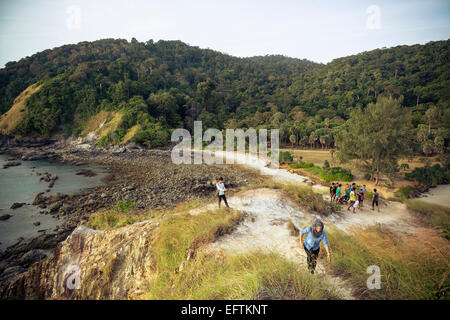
x=11, y=164
x=17, y=205
x=39, y=199
x=5, y=216
x=86, y=173
x=38, y=155
x=32, y=256
x=11, y=271
x=55, y=206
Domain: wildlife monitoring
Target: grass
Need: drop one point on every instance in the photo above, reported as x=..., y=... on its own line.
x=403, y=193
x=178, y=233
x=103, y=123
x=111, y=219
x=130, y=133
x=185, y=272
x=293, y=230
x=411, y=267
x=434, y=214
x=217, y=276
x=11, y=119
x=326, y=174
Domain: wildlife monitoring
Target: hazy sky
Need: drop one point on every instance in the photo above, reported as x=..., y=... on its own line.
x=317, y=30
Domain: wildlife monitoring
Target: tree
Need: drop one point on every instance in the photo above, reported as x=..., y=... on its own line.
x=431, y=116
x=377, y=137
x=163, y=104
x=427, y=148
x=204, y=91
x=292, y=139
x=439, y=144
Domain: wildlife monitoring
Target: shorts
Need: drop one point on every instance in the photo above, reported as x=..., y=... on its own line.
x=352, y=202
x=375, y=202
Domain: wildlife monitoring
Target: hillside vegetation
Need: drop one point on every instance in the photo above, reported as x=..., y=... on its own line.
x=165, y=85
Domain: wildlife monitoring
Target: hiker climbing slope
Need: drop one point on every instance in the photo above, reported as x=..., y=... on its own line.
x=315, y=234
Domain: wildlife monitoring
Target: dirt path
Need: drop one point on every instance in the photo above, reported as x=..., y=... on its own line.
x=391, y=214
x=268, y=212
x=265, y=228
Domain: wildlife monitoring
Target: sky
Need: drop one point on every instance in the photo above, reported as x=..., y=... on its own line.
x=317, y=30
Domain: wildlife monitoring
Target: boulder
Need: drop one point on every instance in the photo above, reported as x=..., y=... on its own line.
x=11, y=271
x=17, y=205
x=5, y=216
x=32, y=256
x=11, y=164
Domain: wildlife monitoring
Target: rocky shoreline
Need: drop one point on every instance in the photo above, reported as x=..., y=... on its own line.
x=147, y=177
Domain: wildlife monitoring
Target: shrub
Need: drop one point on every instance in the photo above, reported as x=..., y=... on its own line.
x=303, y=165
x=286, y=156
x=404, y=193
x=430, y=176
x=124, y=207
x=326, y=174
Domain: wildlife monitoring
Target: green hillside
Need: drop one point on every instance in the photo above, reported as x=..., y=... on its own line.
x=164, y=85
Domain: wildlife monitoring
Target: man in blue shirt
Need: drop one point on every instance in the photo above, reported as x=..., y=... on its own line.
x=311, y=244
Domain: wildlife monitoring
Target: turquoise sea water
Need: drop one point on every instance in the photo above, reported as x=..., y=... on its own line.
x=20, y=184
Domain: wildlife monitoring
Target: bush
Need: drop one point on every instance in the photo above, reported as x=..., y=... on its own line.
x=336, y=174
x=286, y=156
x=430, y=176
x=124, y=207
x=326, y=174
x=303, y=165
x=404, y=193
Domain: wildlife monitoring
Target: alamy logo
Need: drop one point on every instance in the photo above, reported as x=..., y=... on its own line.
x=373, y=21
x=73, y=277
x=374, y=281
x=236, y=145
x=73, y=21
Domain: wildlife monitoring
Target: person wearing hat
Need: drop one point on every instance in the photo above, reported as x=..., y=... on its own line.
x=315, y=234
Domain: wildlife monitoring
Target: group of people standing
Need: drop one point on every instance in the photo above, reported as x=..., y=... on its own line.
x=351, y=196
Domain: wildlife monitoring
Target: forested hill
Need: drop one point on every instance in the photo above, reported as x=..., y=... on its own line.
x=158, y=86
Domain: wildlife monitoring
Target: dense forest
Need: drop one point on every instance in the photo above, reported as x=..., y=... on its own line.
x=165, y=85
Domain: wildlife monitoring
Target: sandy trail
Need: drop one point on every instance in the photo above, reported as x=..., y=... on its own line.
x=268, y=212
x=391, y=214
x=262, y=165
x=265, y=228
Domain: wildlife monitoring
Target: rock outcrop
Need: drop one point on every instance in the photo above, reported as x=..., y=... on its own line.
x=89, y=264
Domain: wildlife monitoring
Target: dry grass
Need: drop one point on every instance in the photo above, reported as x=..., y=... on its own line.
x=11, y=119
x=103, y=123
x=412, y=267
x=317, y=157
x=186, y=271
x=433, y=214
x=254, y=276
x=130, y=133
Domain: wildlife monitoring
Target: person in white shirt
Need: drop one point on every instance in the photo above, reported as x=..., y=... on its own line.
x=221, y=192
